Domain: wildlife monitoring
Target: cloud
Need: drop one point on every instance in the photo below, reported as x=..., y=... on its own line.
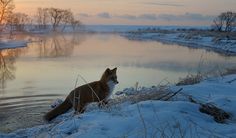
x=168, y=17
x=104, y=15
x=148, y=16
x=163, y=4
x=153, y=16
x=127, y=16
x=134, y=17
x=84, y=15
x=186, y=16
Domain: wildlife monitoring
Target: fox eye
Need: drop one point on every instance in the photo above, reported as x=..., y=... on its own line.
x=114, y=77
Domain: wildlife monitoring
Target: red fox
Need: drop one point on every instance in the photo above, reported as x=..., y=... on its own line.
x=97, y=91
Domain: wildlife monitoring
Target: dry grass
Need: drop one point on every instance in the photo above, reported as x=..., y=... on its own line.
x=229, y=71
x=194, y=79
x=219, y=115
x=190, y=80
x=161, y=94
x=191, y=32
x=215, y=34
x=172, y=128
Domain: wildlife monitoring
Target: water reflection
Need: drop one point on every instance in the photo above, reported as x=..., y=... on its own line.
x=7, y=65
x=44, y=65
x=46, y=46
x=57, y=45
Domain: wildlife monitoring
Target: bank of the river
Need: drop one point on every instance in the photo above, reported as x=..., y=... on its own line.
x=195, y=37
x=9, y=44
x=224, y=43
x=148, y=118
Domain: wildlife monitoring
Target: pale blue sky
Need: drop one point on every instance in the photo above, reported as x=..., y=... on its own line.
x=152, y=12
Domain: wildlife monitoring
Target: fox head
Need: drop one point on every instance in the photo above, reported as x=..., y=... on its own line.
x=110, y=75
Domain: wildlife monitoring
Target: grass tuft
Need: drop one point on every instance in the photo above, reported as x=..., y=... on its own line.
x=190, y=79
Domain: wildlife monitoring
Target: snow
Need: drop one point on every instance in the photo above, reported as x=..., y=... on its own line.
x=128, y=28
x=8, y=44
x=222, y=45
x=150, y=118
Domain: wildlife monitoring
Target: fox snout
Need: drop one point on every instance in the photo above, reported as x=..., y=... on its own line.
x=116, y=82
x=114, y=79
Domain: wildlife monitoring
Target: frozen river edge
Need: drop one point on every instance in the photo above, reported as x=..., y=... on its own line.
x=220, y=44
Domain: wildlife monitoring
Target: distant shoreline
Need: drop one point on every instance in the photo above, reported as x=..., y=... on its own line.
x=190, y=36
x=223, y=43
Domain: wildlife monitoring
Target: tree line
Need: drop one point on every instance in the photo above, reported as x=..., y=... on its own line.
x=54, y=19
x=57, y=19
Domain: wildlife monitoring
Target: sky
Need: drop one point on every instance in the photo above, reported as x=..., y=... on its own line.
x=136, y=12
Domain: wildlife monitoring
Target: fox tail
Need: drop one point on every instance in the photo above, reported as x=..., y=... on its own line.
x=60, y=109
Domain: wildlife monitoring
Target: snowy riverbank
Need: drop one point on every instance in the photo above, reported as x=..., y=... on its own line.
x=150, y=118
x=9, y=44
x=224, y=43
x=191, y=36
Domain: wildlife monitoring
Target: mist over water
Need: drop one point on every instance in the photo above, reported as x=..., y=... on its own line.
x=34, y=76
x=51, y=63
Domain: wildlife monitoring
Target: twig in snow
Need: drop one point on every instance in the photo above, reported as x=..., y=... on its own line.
x=231, y=80
x=173, y=94
x=142, y=119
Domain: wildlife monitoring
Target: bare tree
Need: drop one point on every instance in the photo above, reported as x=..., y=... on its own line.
x=42, y=18
x=6, y=8
x=230, y=18
x=62, y=18
x=225, y=21
x=11, y=21
x=75, y=24
x=218, y=23
x=18, y=21
x=68, y=17
x=57, y=16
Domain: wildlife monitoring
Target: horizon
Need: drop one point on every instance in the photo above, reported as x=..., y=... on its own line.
x=136, y=12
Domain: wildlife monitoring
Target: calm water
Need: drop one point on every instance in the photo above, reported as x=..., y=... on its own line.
x=49, y=66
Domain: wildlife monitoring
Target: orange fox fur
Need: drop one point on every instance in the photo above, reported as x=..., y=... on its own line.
x=97, y=91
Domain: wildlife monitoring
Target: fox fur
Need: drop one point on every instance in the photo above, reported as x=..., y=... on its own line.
x=97, y=91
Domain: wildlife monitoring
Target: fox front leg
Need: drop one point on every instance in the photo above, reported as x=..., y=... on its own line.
x=80, y=108
x=76, y=105
x=103, y=103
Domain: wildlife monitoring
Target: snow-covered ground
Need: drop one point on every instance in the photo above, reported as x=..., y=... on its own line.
x=223, y=45
x=8, y=44
x=220, y=44
x=149, y=118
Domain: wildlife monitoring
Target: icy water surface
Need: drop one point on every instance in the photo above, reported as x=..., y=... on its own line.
x=47, y=69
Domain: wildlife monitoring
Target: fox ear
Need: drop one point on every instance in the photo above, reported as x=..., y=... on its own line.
x=115, y=69
x=108, y=70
